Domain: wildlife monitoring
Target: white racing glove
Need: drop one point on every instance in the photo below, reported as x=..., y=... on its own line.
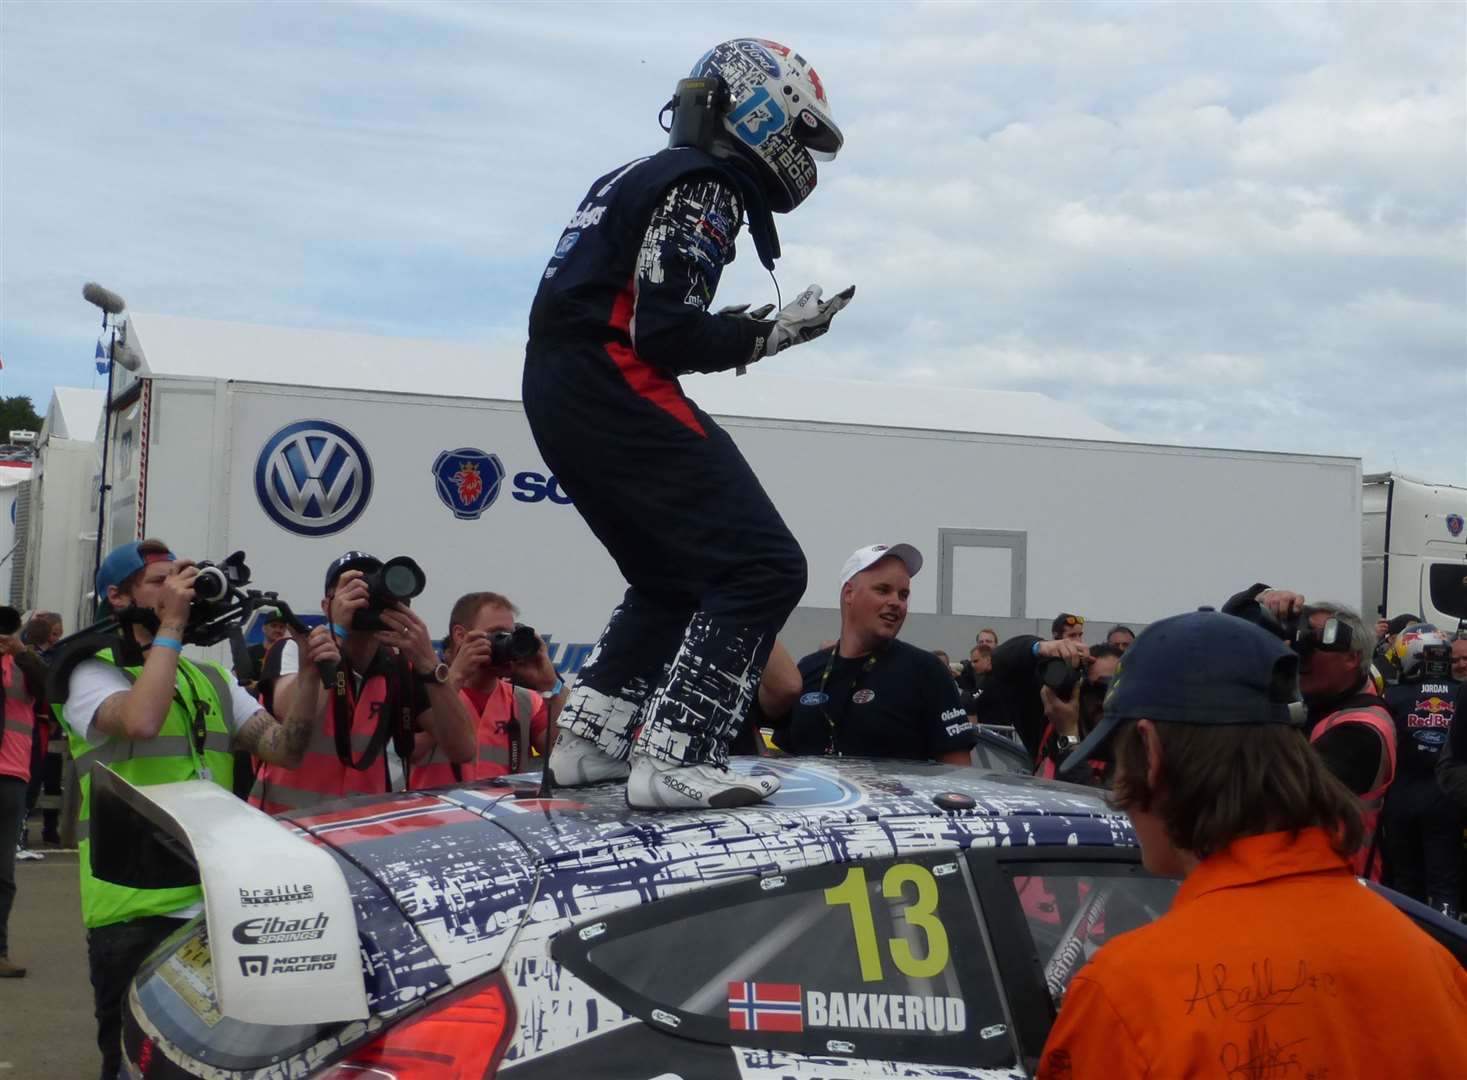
x=805, y=319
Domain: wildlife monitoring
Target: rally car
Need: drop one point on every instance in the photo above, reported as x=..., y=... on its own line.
x=873, y=919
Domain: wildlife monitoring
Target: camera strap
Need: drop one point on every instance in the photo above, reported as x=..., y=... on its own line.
x=343, y=714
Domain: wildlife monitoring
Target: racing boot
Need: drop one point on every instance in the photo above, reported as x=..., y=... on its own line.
x=668, y=785
x=575, y=762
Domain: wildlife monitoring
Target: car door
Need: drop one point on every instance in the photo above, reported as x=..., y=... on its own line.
x=851, y=969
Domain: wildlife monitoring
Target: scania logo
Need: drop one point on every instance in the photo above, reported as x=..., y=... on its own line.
x=313, y=478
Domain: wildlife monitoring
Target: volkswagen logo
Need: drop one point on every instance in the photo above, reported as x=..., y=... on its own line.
x=313, y=478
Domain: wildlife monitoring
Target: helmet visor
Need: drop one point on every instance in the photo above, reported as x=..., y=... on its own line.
x=818, y=134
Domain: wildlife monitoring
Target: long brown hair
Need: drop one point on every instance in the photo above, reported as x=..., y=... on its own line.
x=1220, y=783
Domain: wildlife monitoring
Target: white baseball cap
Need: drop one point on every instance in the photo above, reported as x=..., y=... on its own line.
x=866, y=557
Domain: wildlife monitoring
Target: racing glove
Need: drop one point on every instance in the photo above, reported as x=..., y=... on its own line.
x=804, y=319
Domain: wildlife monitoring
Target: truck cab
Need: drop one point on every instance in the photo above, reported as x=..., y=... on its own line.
x=1414, y=548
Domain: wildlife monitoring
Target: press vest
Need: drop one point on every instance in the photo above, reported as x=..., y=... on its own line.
x=322, y=776
x=20, y=723
x=493, y=756
x=167, y=758
x=1366, y=861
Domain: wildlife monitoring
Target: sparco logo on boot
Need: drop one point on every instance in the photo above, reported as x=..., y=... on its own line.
x=273, y=930
x=313, y=478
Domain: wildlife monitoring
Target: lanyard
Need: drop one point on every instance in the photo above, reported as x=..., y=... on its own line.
x=832, y=728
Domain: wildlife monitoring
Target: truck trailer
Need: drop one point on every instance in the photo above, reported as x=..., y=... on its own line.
x=296, y=445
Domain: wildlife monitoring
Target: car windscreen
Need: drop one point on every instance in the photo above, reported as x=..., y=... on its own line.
x=1073, y=908
x=879, y=959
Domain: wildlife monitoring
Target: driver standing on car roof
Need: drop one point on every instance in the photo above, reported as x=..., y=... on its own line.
x=1274, y=961
x=622, y=311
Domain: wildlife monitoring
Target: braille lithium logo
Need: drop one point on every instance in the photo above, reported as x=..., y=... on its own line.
x=313, y=478
x=468, y=481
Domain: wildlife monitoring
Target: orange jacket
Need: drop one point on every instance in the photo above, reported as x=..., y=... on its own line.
x=1273, y=962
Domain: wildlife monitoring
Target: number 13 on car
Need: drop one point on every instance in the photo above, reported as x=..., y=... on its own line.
x=920, y=912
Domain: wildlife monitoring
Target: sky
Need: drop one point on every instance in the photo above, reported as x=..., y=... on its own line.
x=1227, y=225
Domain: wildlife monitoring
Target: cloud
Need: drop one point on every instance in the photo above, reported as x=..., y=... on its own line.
x=1236, y=225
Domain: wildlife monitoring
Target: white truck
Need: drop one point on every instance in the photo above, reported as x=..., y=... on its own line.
x=296, y=445
x=1414, y=538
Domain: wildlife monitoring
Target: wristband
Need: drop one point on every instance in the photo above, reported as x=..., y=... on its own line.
x=169, y=643
x=339, y=630
x=1034, y=651
x=559, y=686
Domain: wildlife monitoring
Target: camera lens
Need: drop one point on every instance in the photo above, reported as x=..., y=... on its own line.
x=211, y=584
x=401, y=578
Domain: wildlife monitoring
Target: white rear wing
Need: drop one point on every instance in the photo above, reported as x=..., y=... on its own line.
x=282, y=928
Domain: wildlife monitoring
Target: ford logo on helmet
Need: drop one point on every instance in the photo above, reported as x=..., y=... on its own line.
x=313, y=478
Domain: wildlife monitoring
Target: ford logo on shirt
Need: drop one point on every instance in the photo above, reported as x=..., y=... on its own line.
x=313, y=478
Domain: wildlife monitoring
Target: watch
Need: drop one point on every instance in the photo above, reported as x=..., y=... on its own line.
x=437, y=677
x=1066, y=742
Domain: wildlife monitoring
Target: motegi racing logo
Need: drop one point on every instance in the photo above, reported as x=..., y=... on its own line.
x=273, y=930
x=313, y=478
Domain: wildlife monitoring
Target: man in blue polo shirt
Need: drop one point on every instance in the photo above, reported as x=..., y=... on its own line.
x=872, y=695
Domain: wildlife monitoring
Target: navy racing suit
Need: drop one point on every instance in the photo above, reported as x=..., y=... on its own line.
x=712, y=571
x=1423, y=827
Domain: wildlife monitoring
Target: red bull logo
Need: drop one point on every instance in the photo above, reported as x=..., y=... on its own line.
x=1431, y=712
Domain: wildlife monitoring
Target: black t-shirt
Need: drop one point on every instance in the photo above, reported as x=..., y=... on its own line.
x=1423, y=713
x=900, y=702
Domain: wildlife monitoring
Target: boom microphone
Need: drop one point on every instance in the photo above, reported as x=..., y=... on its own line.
x=105, y=299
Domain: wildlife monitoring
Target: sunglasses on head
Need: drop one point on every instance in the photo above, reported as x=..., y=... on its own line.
x=1074, y=620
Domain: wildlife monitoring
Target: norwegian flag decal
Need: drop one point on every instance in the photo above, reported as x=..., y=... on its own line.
x=756, y=1006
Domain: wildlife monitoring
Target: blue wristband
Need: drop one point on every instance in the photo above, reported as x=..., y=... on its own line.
x=169, y=643
x=555, y=690
x=1035, y=650
x=339, y=630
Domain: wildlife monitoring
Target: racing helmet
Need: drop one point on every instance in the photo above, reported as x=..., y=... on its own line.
x=1422, y=652
x=775, y=115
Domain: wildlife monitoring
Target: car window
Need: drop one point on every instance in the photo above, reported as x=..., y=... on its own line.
x=1000, y=754
x=1072, y=909
x=878, y=959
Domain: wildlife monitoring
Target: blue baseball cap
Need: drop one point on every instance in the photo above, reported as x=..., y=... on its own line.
x=350, y=560
x=1200, y=668
x=121, y=563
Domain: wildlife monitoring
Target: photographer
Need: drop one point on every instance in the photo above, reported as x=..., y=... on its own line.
x=1348, y=723
x=1011, y=692
x=1072, y=708
x=385, y=684
x=496, y=667
x=121, y=688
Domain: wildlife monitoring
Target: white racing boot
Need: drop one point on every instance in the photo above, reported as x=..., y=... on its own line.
x=666, y=785
x=576, y=762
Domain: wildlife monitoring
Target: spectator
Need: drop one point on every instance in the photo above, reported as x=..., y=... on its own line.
x=946, y=661
x=871, y=694
x=1349, y=724
x=130, y=701
x=988, y=637
x=1459, y=658
x=1120, y=638
x=36, y=637
x=1384, y=658
x=979, y=664
x=390, y=684
x=1272, y=958
x=512, y=720
x=1067, y=627
x=1422, y=827
x=1069, y=718
x=24, y=683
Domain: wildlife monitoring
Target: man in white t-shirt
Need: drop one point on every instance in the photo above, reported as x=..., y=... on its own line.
x=121, y=688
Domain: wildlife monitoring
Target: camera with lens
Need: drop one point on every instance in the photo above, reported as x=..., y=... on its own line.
x=1056, y=673
x=215, y=589
x=1296, y=631
x=9, y=621
x=507, y=646
x=394, y=582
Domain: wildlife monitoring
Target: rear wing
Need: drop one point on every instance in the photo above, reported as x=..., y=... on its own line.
x=282, y=929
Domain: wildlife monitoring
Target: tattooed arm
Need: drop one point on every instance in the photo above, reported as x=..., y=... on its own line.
x=284, y=742
x=688, y=242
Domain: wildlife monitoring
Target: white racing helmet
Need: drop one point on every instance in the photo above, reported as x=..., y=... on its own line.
x=1423, y=652
x=778, y=117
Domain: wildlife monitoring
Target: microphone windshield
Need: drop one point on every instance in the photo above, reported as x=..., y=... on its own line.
x=105, y=299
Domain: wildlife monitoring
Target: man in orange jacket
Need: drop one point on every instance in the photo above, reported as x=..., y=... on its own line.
x=1274, y=961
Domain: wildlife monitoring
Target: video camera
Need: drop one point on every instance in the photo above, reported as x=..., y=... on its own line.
x=1296, y=631
x=394, y=582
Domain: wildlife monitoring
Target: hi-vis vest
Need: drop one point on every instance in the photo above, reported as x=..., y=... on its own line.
x=493, y=756
x=168, y=757
x=321, y=775
x=1367, y=861
x=20, y=723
